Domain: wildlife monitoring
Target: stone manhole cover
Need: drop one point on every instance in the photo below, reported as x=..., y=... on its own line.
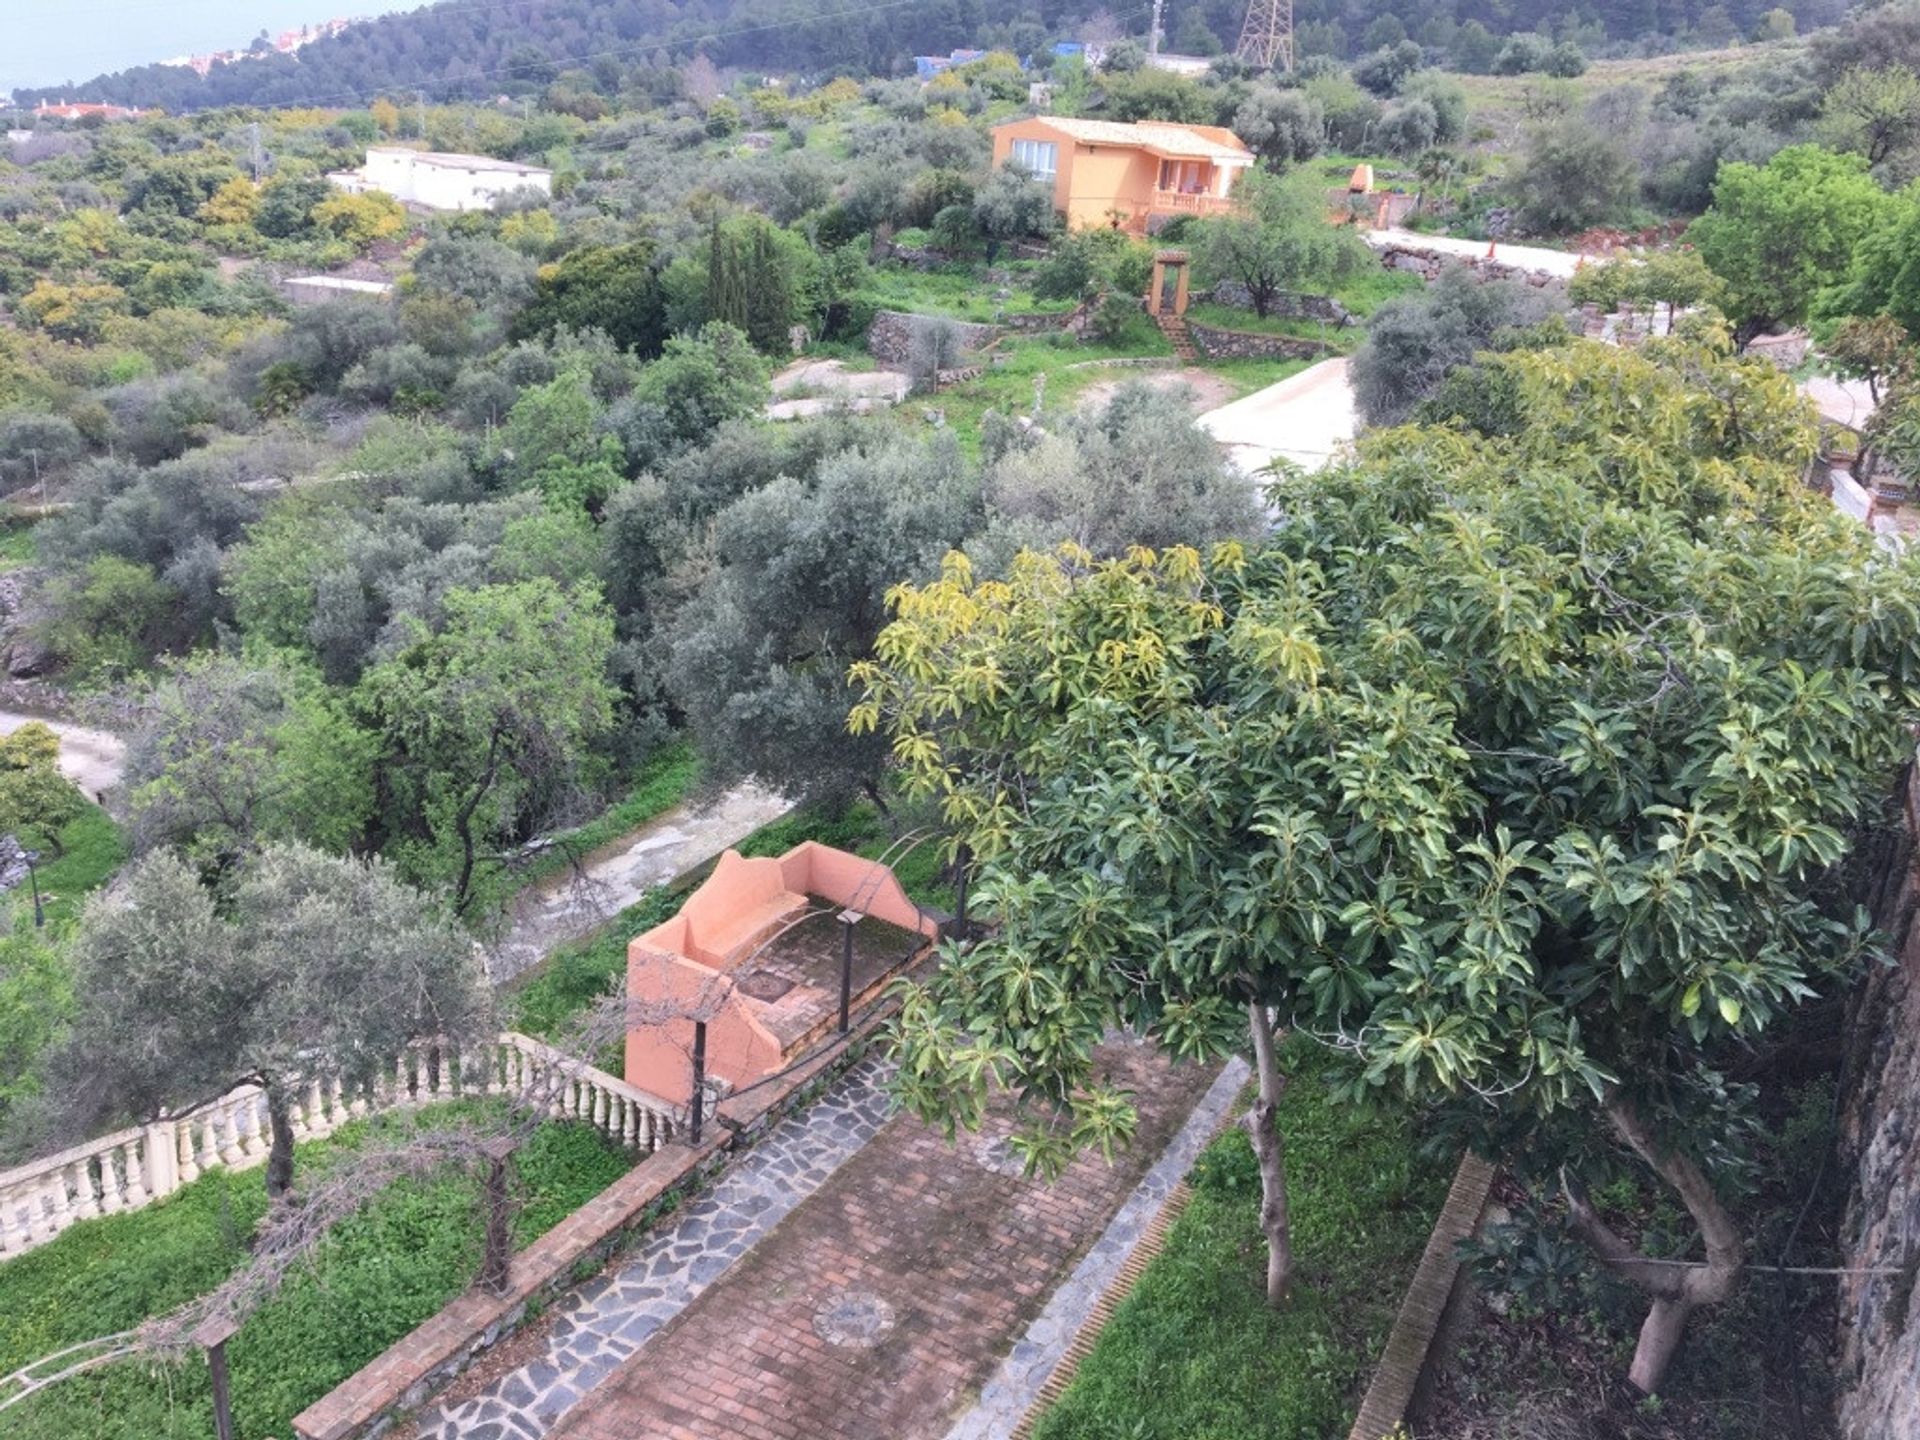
x=999, y=1156
x=763, y=985
x=856, y=1318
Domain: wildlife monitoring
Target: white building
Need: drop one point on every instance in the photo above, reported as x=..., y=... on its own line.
x=324, y=289
x=436, y=181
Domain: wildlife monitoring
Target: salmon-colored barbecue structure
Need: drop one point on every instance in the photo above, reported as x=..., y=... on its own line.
x=756, y=952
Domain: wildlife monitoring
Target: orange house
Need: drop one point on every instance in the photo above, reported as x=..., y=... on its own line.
x=1134, y=176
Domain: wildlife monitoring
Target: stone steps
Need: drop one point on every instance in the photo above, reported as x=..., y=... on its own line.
x=1175, y=329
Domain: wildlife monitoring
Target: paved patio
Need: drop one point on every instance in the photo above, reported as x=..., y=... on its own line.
x=878, y=1309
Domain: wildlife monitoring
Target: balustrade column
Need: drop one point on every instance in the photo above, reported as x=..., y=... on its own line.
x=52, y=1210
x=80, y=1176
x=133, y=1173
x=111, y=1198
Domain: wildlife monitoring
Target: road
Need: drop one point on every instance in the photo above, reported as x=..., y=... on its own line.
x=578, y=901
x=93, y=759
x=1561, y=263
x=1304, y=418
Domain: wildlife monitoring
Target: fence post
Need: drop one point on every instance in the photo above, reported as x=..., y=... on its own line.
x=212, y=1336
x=498, y=1256
x=848, y=919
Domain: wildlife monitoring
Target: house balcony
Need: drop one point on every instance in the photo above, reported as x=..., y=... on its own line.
x=1184, y=202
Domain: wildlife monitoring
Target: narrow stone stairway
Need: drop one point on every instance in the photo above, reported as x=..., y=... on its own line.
x=1174, y=327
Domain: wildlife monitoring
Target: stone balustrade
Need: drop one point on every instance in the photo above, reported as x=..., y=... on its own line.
x=134, y=1167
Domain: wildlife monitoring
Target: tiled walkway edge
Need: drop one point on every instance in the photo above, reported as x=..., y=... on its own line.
x=1061, y=1333
x=1405, y=1355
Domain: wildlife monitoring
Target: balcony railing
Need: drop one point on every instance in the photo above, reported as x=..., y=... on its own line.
x=1182, y=202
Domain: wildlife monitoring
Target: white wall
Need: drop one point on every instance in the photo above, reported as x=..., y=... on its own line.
x=403, y=175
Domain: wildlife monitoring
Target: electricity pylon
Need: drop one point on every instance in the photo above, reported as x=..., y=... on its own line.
x=1267, y=38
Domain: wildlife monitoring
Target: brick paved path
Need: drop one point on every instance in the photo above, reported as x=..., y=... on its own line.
x=882, y=1304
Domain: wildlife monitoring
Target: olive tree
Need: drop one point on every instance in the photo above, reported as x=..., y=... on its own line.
x=1520, y=768
x=797, y=592
x=1277, y=239
x=310, y=967
x=482, y=724
x=1137, y=471
x=227, y=752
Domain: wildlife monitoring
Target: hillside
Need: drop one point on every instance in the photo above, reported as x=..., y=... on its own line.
x=471, y=49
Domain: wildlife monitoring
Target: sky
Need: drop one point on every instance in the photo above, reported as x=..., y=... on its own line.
x=52, y=42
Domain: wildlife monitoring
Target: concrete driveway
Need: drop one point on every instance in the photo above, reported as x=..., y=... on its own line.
x=92, y=759
x=1561, y=263
x=1304, y=418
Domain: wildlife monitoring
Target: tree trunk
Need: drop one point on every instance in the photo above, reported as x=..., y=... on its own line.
x=463, y=825
x=1676, y=1290
x=1269, y=1151
x=1660, y=1335
x=280, y=1157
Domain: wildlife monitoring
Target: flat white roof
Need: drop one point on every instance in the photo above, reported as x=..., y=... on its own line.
x=340, y=282
x=451, y=160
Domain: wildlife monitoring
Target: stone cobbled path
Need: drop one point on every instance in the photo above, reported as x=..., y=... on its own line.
x=1025, y=1372
x=611, y=1317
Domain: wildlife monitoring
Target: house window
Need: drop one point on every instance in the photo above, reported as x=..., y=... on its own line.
x=1039, y=158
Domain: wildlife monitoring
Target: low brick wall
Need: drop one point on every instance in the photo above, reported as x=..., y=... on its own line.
x=424, y=1362
x=1218, y=344
x=1404, y=1359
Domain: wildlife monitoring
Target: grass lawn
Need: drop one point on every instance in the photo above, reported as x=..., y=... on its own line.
x=16, y=546
x=576, y=975
x=959, y=290
x=92, y=849
x=1009, y=386
x=379, y=1275
x=1195, y=1354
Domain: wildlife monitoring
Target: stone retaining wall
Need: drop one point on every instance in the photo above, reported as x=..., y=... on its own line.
x=1287, y=305
x=1428, y=264
x=890, y=337
x=1880, y=1116
x=1217, y=344
x=425, y=1361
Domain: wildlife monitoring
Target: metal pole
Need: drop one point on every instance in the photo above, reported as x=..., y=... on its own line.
x=39, y=915
x=213, y=1335
x=847, y=918
x=699, y=1077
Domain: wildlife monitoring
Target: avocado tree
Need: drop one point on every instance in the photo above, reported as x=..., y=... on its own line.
x=1520, y=768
